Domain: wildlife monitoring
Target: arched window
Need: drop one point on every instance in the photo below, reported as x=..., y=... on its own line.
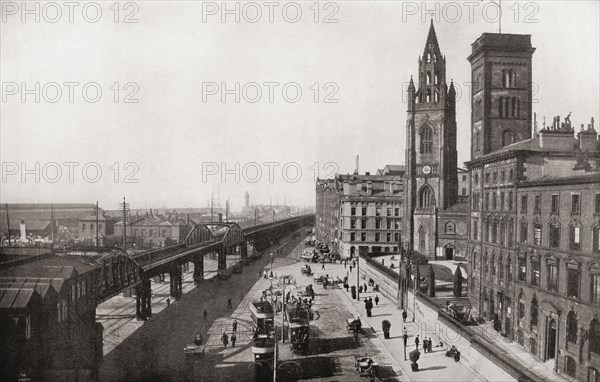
x=593, y=375
x=514, y=106
x=575, y=237
x=450, y=227
x=572, y=327
x=570, y=366
x=594, y=346
x=428, y=78
x=485, y=264
x=436, y=79
x=493, y=265
x=428, y=58
x=554, y=234
x=521, y=310
x=426, y=197
x=500, y=269
x=534, y=312
x=507, y=138
x=501, y=107
x=436, y=96
x=421, y=238
x=428, y=95
x=426, y=139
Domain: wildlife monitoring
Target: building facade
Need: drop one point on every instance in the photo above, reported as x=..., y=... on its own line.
x=534, y=262
x=360, y=213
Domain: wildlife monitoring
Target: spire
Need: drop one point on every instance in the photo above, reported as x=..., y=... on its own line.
x=452, y=91
x=411, y=84
x=432, y=42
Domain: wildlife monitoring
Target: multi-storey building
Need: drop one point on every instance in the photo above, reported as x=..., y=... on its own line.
x=360, y=213
x=534, y=259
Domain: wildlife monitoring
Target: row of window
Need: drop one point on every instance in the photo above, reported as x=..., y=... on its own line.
x=501, y=272
x=499, y=232
x=386, y=249
x=555, y=204
x=389, y=223
x=509, y=107
x=151, y=232
x=378, y=236
x=378, y=211
x=83, y=227
x=554, y=236
x=492, y=177
x=494, y=201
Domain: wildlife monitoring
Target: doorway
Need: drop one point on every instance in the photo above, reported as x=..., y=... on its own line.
x=449, y=253
x=551, y=340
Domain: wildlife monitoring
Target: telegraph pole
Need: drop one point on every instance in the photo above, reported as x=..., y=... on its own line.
x=97, y=231
x=8, y=225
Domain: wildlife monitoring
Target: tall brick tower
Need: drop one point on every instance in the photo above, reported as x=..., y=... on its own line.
x=431, y=157
x=501, y=91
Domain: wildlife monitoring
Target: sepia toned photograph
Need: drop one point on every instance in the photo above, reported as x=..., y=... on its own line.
x=308, y=190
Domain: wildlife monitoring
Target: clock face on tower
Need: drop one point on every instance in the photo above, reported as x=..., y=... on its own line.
x=426, y=170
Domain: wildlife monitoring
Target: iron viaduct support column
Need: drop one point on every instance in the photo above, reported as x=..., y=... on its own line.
x=243, y=250
x=143, y=300
x=222, y=258
x=176, y=281
x=198, y=268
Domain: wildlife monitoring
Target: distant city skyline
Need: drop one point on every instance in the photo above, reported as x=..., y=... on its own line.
x=170, y=133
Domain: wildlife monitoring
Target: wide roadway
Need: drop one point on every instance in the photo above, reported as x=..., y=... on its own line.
x=154, y=352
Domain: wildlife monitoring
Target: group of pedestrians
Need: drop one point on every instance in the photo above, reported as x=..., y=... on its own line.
x=225, y=338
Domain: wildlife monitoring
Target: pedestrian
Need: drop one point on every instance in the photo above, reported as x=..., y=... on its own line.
x=416, y=341
x=265, y=274
x=229, y=306
x=350, y=268
x=376, y=300
x=345, y=264
x=360, y=289
x=430, y=345
x=234, y=325
x=224, y=339
x=168, y=302
x=365, y=284
x=404, y=315
x=205, y=314
x=405, y=337
x=233, y=340
x=425, y=346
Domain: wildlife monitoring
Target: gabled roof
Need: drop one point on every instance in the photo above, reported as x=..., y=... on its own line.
x=15, y=298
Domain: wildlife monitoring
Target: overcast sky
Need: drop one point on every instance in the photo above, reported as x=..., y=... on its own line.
x=179, y=129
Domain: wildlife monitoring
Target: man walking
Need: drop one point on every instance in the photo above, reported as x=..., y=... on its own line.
x=405, y=338
x=229, y=306
x=224, y=339
x=205, y=314
x=234, y=325
x=416, y=341
x=233, y=340
x=376, y=300
x=404, y=315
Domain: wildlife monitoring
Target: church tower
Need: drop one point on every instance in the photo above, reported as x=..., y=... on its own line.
x=501, y=99
x=431, y=158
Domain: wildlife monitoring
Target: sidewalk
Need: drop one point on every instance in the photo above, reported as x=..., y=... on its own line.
x=433, y=366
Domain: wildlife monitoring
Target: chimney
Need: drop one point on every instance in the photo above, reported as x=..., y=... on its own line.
x=369, y=187
x=556, y=138
x=588, y=139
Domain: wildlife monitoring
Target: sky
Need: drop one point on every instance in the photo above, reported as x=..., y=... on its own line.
x=139, y=101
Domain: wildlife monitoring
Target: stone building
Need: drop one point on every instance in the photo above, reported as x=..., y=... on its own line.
x=360, y=212
x=436, y=223
x=534, y=262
